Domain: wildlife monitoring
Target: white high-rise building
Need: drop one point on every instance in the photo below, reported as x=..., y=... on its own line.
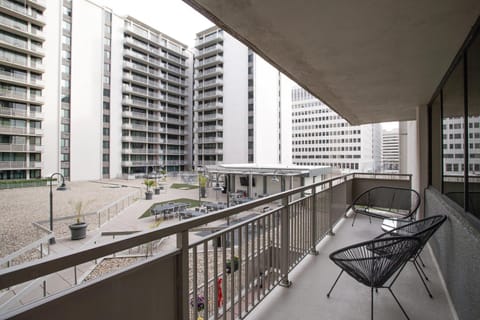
x=321, y=137
x=390, y=150
x=117, y=95
x=240, y=114
x=22, y=104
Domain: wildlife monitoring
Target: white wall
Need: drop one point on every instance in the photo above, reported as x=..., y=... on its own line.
x=87, y=92
x=266, y=101
x=51, y=108
x=116, y=74
x=286, y=85
x=235, y=101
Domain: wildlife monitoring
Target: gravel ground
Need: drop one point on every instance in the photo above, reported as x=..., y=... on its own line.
x=19, y=208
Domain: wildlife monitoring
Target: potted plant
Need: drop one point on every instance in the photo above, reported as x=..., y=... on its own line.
x=149, y=184
x=228, y=264
x=78, y=229
x=202, y=181
x=164, y=175
x=199, y=304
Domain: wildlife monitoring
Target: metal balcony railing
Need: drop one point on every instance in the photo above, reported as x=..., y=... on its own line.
x=263, y=240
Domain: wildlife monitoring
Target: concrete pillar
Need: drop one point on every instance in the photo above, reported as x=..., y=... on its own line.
x=250, y=182
x=420, y=179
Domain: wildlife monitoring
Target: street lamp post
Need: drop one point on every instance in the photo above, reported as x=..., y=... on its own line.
x=62, y=187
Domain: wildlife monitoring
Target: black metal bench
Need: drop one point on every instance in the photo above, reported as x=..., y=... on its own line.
x=387, y=203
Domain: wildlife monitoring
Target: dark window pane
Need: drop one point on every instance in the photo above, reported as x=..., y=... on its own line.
x=436, y=136
x=453, y=120
x=473, y=65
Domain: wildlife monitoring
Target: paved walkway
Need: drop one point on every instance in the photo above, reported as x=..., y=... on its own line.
x=126, y=220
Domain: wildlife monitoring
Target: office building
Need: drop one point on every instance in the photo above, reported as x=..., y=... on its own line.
x=390, y=150
x=321, y=137
x=239, y=110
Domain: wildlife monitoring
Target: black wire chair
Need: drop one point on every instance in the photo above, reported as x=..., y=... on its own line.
x=422, y=229
x=373, y=263
x=386, y=203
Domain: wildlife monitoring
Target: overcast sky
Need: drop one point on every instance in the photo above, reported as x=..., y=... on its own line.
x=172, y=17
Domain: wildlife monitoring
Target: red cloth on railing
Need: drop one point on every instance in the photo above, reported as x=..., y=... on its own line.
x=220, y=294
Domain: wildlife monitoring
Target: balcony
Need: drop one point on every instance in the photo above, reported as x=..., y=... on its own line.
x=208, y=72
x=209, y=51
x=23, y=11
x=268, y=257
x=211, y=38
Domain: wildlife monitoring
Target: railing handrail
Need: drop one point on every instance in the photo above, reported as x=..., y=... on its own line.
x=29, y=271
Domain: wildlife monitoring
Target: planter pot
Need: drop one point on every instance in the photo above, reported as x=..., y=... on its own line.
x=157, y=190
x=228, y=266
x=78, y=230
x=148, y=195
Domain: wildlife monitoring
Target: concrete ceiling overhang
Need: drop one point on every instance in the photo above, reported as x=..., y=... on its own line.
x=370, y=61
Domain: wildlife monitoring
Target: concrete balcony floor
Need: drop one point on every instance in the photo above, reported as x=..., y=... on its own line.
x=312, y=278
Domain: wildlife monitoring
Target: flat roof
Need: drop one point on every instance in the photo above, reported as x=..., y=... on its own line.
x=269, y=169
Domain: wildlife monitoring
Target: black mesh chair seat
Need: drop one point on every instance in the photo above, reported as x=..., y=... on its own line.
x=376, y=263
x=386, y=203
x=422, y=229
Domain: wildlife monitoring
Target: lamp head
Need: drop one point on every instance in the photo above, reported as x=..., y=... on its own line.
x=62, y=187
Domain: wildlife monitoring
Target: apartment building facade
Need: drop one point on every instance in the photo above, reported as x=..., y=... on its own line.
x=118, y=95
x=321, y=137
x=21, y=88
x=239, y=112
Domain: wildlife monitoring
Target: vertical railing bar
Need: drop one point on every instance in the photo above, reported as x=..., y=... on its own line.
x=223, y=278
x=285, y=245
x=240, y=270
x=279, y=218
x=232, y=276
x=246, y=268
x=264, y=246
x=314, y=226
x=194, y=283
x=75, y=274
x=215, y=278
x=205, y=279
x=259, y=257
x=269, y=244
x=183, y=276
x=252, y=278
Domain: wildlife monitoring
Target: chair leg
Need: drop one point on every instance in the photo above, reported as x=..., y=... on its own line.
x=420, y=258
x=371, y=303
x=354, y=217
x=336, y=280
x=398, y=302
x=421, y=270
x=421, y=278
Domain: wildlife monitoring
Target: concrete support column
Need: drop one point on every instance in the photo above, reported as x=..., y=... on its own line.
x=420, y=177
x=250, y=182
x=264, y=184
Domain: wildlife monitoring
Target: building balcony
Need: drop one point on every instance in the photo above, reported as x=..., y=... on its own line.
x=209, y=94
x=274, y=246
x=208, y=140
x=209, y=128
x=209, y=51
x=209, y=106
x=208, y=83
x=209, y=62
x=209, y=117
x=209, y=151
x=210, y=39
x=208, y=72
x=23, y=11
